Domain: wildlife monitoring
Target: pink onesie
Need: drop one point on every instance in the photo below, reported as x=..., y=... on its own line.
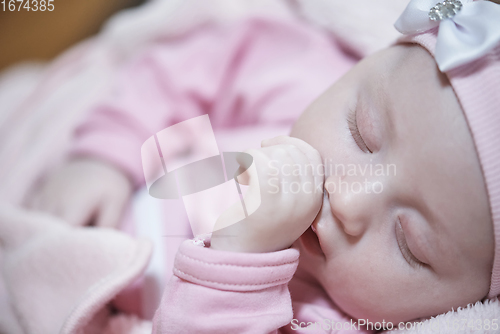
x=253, y=74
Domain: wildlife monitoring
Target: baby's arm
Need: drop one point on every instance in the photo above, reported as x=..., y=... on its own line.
x=239, y=285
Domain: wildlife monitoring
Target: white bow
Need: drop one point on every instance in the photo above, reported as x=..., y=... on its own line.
x=465, y=37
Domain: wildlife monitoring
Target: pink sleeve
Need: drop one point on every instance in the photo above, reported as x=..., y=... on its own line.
x=223, y=292
x=252, y=73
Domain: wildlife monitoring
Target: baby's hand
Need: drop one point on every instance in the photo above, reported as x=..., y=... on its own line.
x=290, y=176
x=84, y=191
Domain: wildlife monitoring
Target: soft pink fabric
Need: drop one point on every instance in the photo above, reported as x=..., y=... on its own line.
x=224, y=292
x=59, y=279
x=35, y=131
x=40, y=104
x=256, y=72
x=477, y=86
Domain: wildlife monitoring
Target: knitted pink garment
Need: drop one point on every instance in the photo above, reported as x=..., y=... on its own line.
x=477, y=86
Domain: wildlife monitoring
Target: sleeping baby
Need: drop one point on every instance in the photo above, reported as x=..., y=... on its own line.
x=410, y=233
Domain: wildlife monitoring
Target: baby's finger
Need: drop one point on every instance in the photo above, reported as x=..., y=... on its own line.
x=311, y=153
x=301, y=166
x=77, y=213
x=108, y=215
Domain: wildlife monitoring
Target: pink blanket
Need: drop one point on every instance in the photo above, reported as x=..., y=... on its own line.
x=59, y=278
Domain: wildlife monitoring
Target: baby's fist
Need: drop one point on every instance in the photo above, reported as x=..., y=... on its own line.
x=288, y=179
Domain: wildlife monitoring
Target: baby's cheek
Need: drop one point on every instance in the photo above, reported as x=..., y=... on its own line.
x=365, y=287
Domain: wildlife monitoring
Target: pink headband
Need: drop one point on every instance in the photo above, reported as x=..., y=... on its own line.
x=464, y=38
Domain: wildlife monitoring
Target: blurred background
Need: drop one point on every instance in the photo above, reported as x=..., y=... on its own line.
x=43, y=101
x=29, y=35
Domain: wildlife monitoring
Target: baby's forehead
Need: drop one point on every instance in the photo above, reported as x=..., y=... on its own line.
x=397, y=63
x=405, y=84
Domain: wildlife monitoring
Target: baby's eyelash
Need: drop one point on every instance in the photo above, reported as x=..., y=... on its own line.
x=356, y=135
x=403, y=247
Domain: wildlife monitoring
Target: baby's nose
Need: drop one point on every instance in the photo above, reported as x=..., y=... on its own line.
x=351, y=204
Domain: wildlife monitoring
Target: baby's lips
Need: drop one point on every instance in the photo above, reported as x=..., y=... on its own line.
x=314, y=228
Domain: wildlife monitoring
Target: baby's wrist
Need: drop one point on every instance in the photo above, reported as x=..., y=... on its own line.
x=228, y=242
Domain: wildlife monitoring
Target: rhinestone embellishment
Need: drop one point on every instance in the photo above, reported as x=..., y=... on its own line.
x=445, y=10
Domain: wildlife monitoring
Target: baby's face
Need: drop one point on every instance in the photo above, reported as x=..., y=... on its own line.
x=405, y=228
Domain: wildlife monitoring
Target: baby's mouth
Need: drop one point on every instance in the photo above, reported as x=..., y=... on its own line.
x=325, y=206
x=310, y=242
x=322, y=219
x=311, y=239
